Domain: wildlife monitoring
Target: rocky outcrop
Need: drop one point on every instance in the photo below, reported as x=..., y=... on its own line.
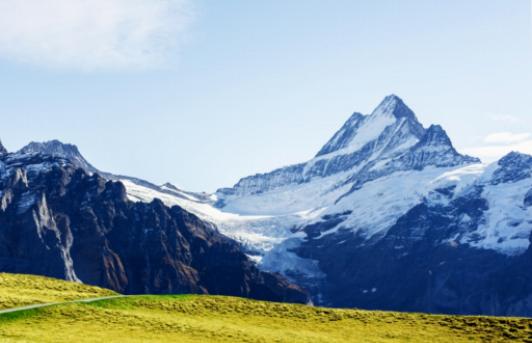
x=59, y=149
x=57, y=220
x=512, y=168
x=2, y=149
x=528, y=198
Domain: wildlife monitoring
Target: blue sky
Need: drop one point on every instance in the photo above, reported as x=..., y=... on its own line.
x=201, y=93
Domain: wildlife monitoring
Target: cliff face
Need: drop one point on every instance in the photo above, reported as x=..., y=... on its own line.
x=57, y=220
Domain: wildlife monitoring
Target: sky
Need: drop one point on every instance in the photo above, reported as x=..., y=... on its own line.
x=201, y=93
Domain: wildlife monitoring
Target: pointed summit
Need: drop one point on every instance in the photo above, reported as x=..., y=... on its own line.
x=436, y=136
x=360, y=129
x=433, y=149
x=394, y=105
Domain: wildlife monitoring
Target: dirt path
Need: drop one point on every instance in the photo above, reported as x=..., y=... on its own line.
x=31, y=307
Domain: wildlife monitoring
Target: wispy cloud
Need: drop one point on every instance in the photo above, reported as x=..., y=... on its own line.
x=92, y=34
x=506, y=138
x=505, y=118
x=498, y=144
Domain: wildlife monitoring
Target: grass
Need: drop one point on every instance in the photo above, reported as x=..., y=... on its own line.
x=21, y=290
x=191, y=318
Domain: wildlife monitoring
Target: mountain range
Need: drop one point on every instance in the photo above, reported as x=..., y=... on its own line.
x=387, y=215
x=59, y=219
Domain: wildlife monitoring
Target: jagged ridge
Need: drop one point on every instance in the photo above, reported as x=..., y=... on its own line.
x=390, y=139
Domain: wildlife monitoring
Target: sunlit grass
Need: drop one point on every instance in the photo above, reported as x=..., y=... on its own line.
x=225, y=319
x=21, y=290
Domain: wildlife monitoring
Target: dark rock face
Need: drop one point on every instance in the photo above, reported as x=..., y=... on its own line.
x=2, y=149
x=528, y=198
x=420, y=265
x=342, y=138
x=57, y=220
x=512, y=168
x=434, y=149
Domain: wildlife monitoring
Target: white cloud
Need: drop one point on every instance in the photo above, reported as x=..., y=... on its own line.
x=501, y=143
x=92, y=34
x=507, y=137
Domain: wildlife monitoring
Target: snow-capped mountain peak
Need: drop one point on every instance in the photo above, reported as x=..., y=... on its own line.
x=366, y=147
x=435, y=148
x=395, y=106
x=53, y=147
x=436, y=140
x=436, y=136
x=359, y=130
x=58, y=149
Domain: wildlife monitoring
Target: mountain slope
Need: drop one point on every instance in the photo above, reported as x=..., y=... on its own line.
x=187, y=318
x=57, y=220
x=22, y=290
x=465, y=248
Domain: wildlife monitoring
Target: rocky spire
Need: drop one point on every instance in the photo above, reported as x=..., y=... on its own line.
x=394, y=105
x=361, y=129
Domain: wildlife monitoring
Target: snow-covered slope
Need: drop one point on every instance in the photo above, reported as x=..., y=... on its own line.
x=507, y=223
x=57, y=148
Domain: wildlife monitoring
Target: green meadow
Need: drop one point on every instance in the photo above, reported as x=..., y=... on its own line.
x=195, y=318
x=21, y=290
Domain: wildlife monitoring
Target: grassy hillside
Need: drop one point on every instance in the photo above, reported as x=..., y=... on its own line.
x=21, y=290
x=224, y=319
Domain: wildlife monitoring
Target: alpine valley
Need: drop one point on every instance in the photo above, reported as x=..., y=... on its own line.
x=387, y=215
